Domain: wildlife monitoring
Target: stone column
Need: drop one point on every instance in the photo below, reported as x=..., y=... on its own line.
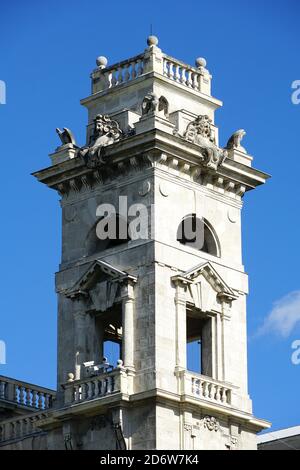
x=127, y=294
x=224, y=335
x=180, y=305
x=79, y=336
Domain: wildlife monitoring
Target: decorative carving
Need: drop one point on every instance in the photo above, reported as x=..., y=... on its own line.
x=210, y=423
x=235, y=141
x=153, y=105
x=149, y=104
x=106, y=132
x=163, y=106
x=200, y=132
x=66, y=136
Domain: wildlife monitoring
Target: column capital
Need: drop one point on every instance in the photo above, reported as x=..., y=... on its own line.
x=127, y=288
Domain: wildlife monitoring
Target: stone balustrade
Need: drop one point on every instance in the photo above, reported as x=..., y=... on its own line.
x=205, y=388
x=182, y=73
x=99, y=386
x=196, y=78
x=17, y=428
x=25, y=394
x=114, y=75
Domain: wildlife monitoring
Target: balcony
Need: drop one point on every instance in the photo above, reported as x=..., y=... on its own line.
x=95, y=387
x=25, y=395
x=20, y=427
x=205, y=388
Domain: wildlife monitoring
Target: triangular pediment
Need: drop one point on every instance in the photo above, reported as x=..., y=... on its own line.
x=205, y=286
x=98, y=272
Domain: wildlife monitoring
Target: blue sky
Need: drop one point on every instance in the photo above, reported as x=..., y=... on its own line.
x=48, y=50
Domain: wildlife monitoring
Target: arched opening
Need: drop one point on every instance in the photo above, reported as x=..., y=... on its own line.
x=106, y=233
x=199, y=234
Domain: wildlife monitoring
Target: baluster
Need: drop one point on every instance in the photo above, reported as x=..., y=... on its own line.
x=133, y=70
x=120, y=75
x=127, y=73
x=139, y=67
x=76, y=393
x=25, y=426
x=34, y=398
x=96, y=388
x=165, y=67
x=90, y=389
x=47, y=401
x=193, y=386
x=200, y=388
x=82, y=391
x=40, y=400
x=16, y=393
x=183, y=76
x=28, y=396
x=85, y=391
x=110, y=79
x=171, y=71
x=205, y=389
x=22, y=395
x=109, y=385
x=194, y=80
x=189, y=78
x=177, y=73
x=218, y=394
x=228, y=396
x=113, y=78
x=12, y=430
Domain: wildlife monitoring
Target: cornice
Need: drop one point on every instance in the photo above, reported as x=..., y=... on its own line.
x=156, y=149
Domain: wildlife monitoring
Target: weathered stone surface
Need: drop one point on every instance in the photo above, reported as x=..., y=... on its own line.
x=150, y=294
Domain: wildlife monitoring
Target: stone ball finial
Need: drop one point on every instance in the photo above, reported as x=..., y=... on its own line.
x=152, y=41
x=201, y=62
x=101, y=61
x=119, y=364
x=70, y=377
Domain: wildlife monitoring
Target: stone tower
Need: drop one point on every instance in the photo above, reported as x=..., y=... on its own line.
x=170, y=279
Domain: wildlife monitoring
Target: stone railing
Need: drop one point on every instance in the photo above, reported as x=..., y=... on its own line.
x=205, y=388
x=25, y=394
x=182, y=73
x=114, y=75
x=17, y=428
x=99, y=386
x=152, y=60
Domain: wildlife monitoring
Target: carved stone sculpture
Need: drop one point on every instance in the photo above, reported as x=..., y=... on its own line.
x=211, y=423
x=235, y=141
x=153, y=105
x=106, y=132
x=150, y=103
x=200, y=132
x=66, y=136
